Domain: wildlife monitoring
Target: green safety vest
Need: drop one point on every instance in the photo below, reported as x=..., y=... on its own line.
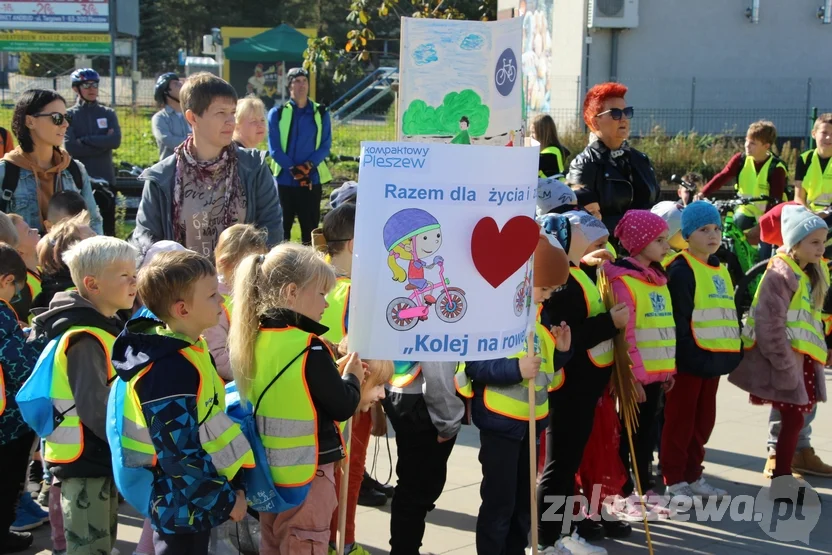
x=286, y=418
x=655, y=326
x=220, y=436
x=714, y=321
x=335, y=316
x=227, y=306
x=817, y=183
x=558, y=154
x=601, y=355
x=610, y=248
x=804, y=322
x=512, y=401
x=750, y=183
x=285, y=125
x=66, y=442
x=669, y=257
x=404, y=373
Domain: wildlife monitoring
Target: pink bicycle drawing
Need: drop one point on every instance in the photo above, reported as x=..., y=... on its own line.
x=523, y=293
x=403, y=313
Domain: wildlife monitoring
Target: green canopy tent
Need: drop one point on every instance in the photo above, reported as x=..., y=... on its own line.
x=281, y=44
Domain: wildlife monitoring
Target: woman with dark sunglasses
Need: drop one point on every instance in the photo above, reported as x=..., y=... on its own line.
x=621, y=177
x=39, y=167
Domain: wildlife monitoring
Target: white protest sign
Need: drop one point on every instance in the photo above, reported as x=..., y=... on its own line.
x=443, y=238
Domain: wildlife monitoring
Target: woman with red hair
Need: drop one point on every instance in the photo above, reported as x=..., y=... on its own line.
x=621, y=177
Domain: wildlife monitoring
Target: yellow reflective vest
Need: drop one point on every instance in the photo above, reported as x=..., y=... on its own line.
x=220, y=436
x=558, y=154
x=286, y=418
x=601, y=355
x=817, y=183
x=714, y=322
x=655, y=327
x=804, y=322
x=285, y=126
x=512, y=401
x=751, y=183
x=335, y=316
x=66, y=442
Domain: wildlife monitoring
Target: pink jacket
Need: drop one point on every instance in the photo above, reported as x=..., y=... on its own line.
x=217, y=338
x=622, y=294
x=772, y=369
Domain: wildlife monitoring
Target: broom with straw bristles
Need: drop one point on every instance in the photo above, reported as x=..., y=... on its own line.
x=624, y=389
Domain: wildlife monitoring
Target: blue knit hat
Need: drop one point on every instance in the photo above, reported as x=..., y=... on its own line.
x=796, y=223
x=699, y=214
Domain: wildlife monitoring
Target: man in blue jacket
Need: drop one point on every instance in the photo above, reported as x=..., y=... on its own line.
x=300, y=136
x=93, y=133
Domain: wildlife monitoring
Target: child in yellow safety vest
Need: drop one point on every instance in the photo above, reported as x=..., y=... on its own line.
x=500, y=409
x=27, y=245
x=335, y=239
x=813, y=172
x=572, y=407
x=17, y=360
x=707, y=347
x=180, y=429
x=640, y=282
x=275, y=340
x=85, y=323
x=783, y=338
x=671, y=212
x=234, y=244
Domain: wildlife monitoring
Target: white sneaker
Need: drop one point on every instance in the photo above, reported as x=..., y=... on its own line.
x=557, y=549
x=680, y=491
x=578, y=546
x=702, y=488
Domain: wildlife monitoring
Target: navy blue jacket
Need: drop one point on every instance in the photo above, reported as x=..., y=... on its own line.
x=92, y=137
x=188, y=495
x=502, y=371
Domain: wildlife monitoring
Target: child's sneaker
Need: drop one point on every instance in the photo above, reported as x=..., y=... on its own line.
x=578, y=546
x=557, y=549
x=628, y=509
x=25, y=520
x=15, y=542
x=702, y=488
x=43, y=496
x=656, y=505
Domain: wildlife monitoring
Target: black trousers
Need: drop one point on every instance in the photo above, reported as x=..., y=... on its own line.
x=303, y=202
x=504, y=519
x=15, y=459
x=181, y=544
x=421, y=469
x=571, y=416
x=644, y=440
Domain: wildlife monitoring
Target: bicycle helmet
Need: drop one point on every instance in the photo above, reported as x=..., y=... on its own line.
x=405, y=224
x=83, y=75
x=163, y=85
x=296, y=72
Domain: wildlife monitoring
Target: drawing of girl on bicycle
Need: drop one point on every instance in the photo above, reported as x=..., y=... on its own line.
x=415, y=235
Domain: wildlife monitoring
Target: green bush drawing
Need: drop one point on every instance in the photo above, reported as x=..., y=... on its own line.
x=422, y=119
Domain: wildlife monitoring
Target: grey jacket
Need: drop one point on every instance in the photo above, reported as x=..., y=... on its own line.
x=154, y=219
x=170, y=129
x=89, y=140
x=432, y=392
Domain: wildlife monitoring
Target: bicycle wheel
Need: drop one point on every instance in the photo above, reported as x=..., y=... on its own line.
x=747, y=286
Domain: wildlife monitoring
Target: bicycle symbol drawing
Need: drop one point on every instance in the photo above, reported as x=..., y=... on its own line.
x=505, y=73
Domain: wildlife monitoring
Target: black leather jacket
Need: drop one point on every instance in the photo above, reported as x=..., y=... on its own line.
x=594, y=169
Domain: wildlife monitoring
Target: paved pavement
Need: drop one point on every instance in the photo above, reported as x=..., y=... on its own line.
x=735, y=458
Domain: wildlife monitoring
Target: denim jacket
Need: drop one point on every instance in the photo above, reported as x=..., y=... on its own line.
x=24, y=202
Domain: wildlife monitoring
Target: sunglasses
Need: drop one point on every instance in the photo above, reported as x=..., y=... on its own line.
x=89, y=85
x=57, y=117
x=618, y=113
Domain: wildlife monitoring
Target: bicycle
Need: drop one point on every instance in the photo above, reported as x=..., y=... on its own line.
x=523, y=293
x=507, y=71
x=403, y=313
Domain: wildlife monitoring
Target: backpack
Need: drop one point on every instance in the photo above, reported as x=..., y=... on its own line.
x=261, y=492
x=12, y=176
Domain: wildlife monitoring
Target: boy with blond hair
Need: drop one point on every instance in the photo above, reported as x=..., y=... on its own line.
x=85, y=325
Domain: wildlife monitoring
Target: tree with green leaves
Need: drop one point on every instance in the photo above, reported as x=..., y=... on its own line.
x=348, y=53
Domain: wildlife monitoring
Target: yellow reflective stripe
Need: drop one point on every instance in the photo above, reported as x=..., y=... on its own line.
x=520, y=393
x=231, y=454
x=413, y=387
x=716, y=332
x=601, y=349
x=657, y=353
x=136, y=459
x=140, y=434
x=65, y=406
x=802, y=334
x=283, y=428
x=713, y=314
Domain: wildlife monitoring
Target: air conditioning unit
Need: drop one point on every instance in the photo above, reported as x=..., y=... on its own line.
x=613, y=14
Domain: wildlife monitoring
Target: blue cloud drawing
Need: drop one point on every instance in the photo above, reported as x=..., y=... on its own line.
x=472, y=42
x=425, y=54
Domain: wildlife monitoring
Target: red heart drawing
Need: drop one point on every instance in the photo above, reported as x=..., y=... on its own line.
x=498, y=254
